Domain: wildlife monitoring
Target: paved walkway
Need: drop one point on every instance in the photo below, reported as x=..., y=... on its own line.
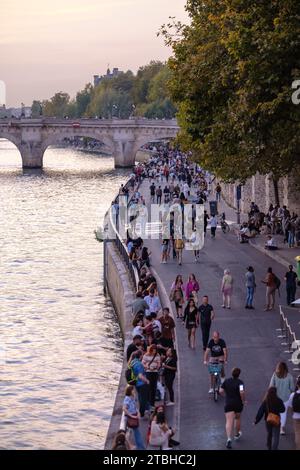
x=250, y=335
x=284, y=255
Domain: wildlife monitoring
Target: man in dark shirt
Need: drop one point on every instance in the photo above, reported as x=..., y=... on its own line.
x=136, y=344
x=168, y=326
x=291, y=285
x=218, y=353
x=234, y=392
x=152, y=192
x=206, y=313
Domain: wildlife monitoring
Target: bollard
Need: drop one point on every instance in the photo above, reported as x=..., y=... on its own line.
x=289, y=340
x=281, y=329
x=285, y=333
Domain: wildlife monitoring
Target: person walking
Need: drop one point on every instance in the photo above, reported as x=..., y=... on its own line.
x=283, y=381
x=176, y=295
x=271, y=289
x=271, y=408
x=158, y=195
x=132, y=414
x=234, y=391
x=191, y=322
x=179, y=246
x=152, y=363
x=152, y=193
x=250, y=286
x=213, y=226
x=226, y=288
x=291, y=285
x=294, y=403
x=169, y=373
x=218, y=192
x=192, y=288
x=207, y=314
x=206, y=219
x=142, y=383
x=165, y=250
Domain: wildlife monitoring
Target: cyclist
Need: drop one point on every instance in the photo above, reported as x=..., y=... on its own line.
x=218, y=354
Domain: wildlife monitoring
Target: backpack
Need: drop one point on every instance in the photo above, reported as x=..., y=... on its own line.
x=129, y=375
x=179, y=244
x=296, y=403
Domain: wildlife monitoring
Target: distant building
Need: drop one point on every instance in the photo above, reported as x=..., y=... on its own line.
x=23, y=112
x=109, y=75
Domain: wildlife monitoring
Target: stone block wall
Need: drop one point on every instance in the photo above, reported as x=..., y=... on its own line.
x=260, y=189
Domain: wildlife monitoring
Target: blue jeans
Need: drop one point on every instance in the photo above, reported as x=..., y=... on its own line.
x=218, y=196
x=250, y=295
x=138, y=439
x=291, y=239
x=143, y=394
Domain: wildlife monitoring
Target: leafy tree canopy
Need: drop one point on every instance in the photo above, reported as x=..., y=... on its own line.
x=232, y=73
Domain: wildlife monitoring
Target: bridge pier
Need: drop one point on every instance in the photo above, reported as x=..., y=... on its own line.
x=124, y=154
x=32, y=154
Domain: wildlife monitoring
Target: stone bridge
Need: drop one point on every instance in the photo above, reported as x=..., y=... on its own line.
x=123, y=137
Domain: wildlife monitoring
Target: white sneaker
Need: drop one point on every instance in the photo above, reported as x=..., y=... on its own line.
x=211, y=390
x=237, y=436
x=170, y=403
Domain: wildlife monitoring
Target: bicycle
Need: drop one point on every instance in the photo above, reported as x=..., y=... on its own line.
x=215, y=369
x=224, y=225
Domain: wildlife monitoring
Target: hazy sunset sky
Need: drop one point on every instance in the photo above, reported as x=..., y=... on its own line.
x=58, y=45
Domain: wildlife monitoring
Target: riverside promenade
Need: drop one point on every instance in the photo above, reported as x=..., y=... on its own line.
x=251, y=337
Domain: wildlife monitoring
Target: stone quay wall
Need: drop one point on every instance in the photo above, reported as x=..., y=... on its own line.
x=260, y=189
x=122, y=294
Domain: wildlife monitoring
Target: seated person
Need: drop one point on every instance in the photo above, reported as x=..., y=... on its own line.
x=244, y=233
x=271, y=243
x=265, y=230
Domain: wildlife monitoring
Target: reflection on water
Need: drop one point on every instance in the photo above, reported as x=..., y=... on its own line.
x=60, y=345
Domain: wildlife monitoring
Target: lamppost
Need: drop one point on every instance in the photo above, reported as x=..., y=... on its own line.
x=238, y=199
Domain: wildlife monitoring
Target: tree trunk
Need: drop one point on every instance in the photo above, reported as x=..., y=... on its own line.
x=276, y=191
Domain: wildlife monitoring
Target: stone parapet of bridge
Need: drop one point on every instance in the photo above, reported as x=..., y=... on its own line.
x=123, y=137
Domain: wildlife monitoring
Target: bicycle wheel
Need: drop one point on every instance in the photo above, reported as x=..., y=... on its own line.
x=216, y=387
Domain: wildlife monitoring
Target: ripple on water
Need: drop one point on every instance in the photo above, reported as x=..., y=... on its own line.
x=52, y=303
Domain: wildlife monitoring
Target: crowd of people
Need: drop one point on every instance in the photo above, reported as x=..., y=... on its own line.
x=152, y=354
x=276, y=221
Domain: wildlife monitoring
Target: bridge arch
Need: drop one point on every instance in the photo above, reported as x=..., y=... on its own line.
x=54, y=138
x=151, y=138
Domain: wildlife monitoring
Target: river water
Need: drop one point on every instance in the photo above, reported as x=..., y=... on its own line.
x=60, y=343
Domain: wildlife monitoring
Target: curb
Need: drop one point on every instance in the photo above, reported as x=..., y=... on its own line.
x=165, y=301
x=270, y=254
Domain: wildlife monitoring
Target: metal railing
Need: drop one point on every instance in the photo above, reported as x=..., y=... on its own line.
x=289, y=339
x=121, y=246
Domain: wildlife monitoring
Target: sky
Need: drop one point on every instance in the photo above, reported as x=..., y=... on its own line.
x=48, y=46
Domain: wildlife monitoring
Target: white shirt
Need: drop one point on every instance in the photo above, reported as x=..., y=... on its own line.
x=290, y=405
x=154, y=304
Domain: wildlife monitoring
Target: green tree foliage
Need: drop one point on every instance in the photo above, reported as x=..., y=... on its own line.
x=57, y=106
x=232, y=72
x=36, y=109
x=83, y=99
x=144, y=94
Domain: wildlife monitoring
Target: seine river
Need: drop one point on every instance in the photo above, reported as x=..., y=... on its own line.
x=60, y=344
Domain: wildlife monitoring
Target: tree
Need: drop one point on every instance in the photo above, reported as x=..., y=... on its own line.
x=232, y=73
x=83, y=99
x=57, y=106
x=36, y=109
